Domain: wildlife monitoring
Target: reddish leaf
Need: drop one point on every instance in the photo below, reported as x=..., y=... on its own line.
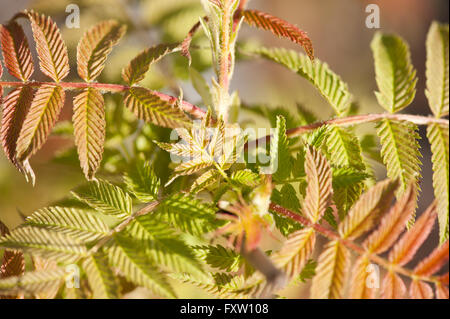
x=16, y=53
x=393, y=287
x=280, y=28
x=434, y=262
x=420, y=290
x=441, y=292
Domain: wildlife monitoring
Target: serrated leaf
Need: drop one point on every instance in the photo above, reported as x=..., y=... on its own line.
x=205, y=180
x=152, y=109
x=39, y=121
x=44, y=243
x=102, y=280
x=95, y=46
x=319, y=190
x=434, y=262
x=400, y=152
x=280, y=28
x=393, y=223
x=139, y=66
x=76, y=223
x=32, y=282
x=142, y=182
x=407, y=246
x=220, y=257
x=360, y=277
x=395, y=75
x=367, y=210
x=90, y=129
x=393, y=287
x=51, y=49
x=279, y=152
x=105, y=198
x=16, y=52
x=328, y=283
x=135, y=266
x=438, y=137
x=420, y=290
x=438, y=69
x=329, y=84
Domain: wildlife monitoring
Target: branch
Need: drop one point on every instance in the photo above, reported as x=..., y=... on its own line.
x=353, y=120
x=193, y=110
x=350, y=244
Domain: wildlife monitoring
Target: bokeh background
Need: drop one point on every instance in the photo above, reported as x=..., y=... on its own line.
x=337, y=29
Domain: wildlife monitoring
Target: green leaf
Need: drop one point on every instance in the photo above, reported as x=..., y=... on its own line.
x=400, y=152
x=286, y=198
x=329, y=84
x=246, y=177
x=32, y=282
x=79, y=224
x=438, y=137
x=137, y=267
x=395, y=75
x=220, y=257
x=279, y=152
x=142, y=182
x=200, y=85
x=438, y=69
x=105, y=198
x=102, y=280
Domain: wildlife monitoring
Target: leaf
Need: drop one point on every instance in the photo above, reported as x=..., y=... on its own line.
x=89, y=125
x=139, y=66
x=328, y=283
x=279, y=152
x=52, y=51
x=296, y=251
x=201, y=86
x=16, y=52
x=344, y=177
x=186, y=44
x=393, y=287
x=187, y=214
x=15, y=108
x=360, y=277
x=95, y=46
x=246, y=177
x=319, y=190
x=329, y=84
x=441, y=292
x=137, y=268
x=367, y=210
x=76, y=223
x=395, y=75
x=142, y=182
x=220, y=257
x=31, y=282
x=438, y=69
x=205, y=180
x=438, y=137
x=105, y=198
x=392, y=225
x=407, y=246
x=39, y=121
x=420, y=290
x=279, y=28
x=44, y=243
x=102, y=280
x=400, y=152
x=434, y=262
x=152, y=109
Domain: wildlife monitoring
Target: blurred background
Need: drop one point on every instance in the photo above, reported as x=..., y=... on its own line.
x=338, y=32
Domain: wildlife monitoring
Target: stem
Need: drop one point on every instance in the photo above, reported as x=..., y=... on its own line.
x=350, y=244
x=356, y=119
x=195, y=111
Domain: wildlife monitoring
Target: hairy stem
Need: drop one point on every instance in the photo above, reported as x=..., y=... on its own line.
x=350, y=244
x=353, y=120
x=195, y=111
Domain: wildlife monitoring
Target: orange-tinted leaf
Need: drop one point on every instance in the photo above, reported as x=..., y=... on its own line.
x=186, y=44
x=441, y=292
x=434, y=262
x=95, y=46
x=420, y=290
x=280, y=28
x=365, y=212
x=320, y=189
x=15, y=108
x=152, y=109
x=51, y=49
x=362, y=273
x=329, y=281
x=139, y=66
x=393, y=224
x=393, y=287
x=89, y=128
x=406, y=248
x=42, y=116
x=16, y=53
